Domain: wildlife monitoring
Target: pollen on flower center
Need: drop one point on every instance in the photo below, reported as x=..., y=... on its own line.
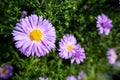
x=4, y=71
x=36, y=35
x=69, y=47
x=113, y=56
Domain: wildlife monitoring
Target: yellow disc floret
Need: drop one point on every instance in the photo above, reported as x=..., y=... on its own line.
x=4, y=71
x=36, y=35
x=69, y=47
x=113, y=56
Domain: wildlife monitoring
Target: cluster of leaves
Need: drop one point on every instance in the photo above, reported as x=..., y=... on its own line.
x=68, y=16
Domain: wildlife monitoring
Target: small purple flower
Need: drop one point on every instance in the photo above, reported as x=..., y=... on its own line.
x=34, y=36
x=79, y=55
x=23, y=14
x=42, y=78
x=80, y=75
x=104, y=24
x=71, y=78
x=67, y=46
x=6, y=71
x=112, y=56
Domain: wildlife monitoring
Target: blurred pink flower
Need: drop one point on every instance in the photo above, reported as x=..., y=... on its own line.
x=112, y=56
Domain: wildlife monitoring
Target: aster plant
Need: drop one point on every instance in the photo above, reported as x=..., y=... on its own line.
x=104, y=24
x=81, y=75
x=67, y=46
x=71, y=78
x=34, y=35
x=111, y=56
x=42, y=78
x=23, y=13
x=6, y=71
x=79, y=55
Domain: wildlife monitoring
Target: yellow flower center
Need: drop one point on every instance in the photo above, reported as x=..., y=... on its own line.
x=36, y=35
x=113, y=56
x=69, y=47
x=4, y=71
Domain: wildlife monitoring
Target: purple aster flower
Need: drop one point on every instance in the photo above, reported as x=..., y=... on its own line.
x=67, y=46
x=80, y=75
x=103, y=24
x=112, y=56
x=42, y=78
x=71, y=78
x=6, y=71
x=23, y=13
x=34, y=35
x=79, y=55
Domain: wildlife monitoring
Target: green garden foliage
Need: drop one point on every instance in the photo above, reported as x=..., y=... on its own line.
x=75, y=17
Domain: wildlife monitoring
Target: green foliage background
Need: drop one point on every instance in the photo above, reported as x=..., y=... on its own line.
x=68, y=16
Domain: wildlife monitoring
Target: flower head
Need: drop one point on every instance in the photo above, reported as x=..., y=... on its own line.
x=67, y=46
x=6, y=71
x=34, y=35
x=71, y=78
x=42, y=78
x=80, y=75
x=23, y=13
x=79, y=55
x=103, y=24
x=112, y=56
